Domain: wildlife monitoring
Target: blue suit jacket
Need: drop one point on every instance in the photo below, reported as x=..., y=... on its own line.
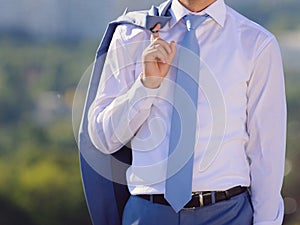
x=105, y=198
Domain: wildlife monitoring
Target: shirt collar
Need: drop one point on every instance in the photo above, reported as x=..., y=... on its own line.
x=217, y=11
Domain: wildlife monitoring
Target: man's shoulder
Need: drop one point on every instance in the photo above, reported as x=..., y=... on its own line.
x=247, y=26
x=130, y=32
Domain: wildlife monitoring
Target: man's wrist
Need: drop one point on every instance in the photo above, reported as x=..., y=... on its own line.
x=152, y=82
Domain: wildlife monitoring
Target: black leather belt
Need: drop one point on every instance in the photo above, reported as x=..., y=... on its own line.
x=200, y=199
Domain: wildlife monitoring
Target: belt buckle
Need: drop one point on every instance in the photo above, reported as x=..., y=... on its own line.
x=201, y=201
x=201, y=197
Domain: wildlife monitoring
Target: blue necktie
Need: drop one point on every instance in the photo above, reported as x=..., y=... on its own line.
x=184, y=118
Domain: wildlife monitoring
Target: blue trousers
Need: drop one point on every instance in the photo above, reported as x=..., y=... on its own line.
x=235, y=211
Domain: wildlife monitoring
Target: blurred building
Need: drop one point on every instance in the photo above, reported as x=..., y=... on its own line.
x=55, y=18
x=69, y=18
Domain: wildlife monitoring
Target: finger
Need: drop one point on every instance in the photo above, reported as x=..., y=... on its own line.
x=163, y=44
x=155, y=30
x=173, y=53
x=157, y=55
x=166, y=49
x=173, y=48
x=163, y=52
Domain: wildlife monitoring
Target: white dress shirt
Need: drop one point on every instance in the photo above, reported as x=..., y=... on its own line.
x=244, y=59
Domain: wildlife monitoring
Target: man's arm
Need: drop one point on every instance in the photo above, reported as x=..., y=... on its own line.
x=266, y=127
x=123, y=103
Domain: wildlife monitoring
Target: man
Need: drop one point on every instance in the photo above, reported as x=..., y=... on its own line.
x=133, y=105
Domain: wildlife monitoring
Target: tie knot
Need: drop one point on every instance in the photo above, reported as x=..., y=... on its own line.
x=193, y=21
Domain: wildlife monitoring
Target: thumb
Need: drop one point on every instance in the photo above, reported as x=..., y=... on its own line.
x=155, y=33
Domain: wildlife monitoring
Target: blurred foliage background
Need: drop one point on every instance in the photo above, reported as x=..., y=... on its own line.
x=45, y=47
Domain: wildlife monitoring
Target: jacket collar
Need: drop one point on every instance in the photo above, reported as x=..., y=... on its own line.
x=163, y=9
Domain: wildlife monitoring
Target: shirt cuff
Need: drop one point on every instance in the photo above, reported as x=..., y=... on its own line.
x=268, y=223
x=276, y=221
x=140, y=97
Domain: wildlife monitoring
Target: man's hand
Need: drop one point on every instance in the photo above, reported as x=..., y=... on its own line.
x=157, y=59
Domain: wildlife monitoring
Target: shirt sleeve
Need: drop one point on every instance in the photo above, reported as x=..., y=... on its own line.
x=122, y=103
x=266, y=126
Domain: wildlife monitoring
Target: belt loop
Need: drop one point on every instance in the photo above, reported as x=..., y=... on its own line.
x=151, y=198
x=227, y=195
x=213, y=197
x=201, y=201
